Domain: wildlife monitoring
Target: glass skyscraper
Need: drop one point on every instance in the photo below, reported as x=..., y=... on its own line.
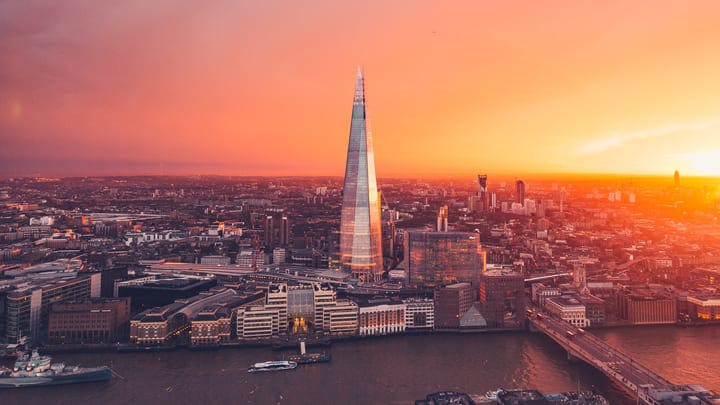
x=360, y=228
x=441, y=258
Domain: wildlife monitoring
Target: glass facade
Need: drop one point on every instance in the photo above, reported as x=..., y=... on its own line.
x=301, y=303
x=441, y=258
x=360, y=228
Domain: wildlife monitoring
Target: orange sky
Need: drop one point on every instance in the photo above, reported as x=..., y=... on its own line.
x=146, y=87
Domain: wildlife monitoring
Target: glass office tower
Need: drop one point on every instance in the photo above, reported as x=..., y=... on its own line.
x=360, y=229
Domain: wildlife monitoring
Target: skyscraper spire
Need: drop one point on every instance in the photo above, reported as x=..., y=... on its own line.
x=360, y=231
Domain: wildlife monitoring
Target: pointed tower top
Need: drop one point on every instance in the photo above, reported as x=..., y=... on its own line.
x=359, y=88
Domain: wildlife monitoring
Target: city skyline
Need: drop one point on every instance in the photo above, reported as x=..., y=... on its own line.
x=514, y=88
x=543, y=213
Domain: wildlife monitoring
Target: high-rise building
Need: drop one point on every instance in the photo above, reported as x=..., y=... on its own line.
x=520, y=191
x=502, y=294
x=442, y=219
x=276, y=229
x=434, y=258
x=677, y=178
x=482, y=192
x=360, y=228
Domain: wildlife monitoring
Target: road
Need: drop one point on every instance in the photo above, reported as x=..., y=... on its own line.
x=598, y=353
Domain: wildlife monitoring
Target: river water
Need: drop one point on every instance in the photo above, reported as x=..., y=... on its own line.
x=390, y=370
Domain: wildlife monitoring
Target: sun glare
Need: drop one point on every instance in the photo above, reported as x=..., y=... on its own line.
x=705, y=163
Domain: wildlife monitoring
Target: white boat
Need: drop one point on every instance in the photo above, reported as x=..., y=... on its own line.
x=493, y=395
x=272, y=366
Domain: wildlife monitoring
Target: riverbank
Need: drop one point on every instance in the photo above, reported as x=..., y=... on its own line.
x=283, y=344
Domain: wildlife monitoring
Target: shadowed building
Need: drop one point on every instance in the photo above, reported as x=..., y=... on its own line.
x=451, y=303
x=93, y=320
x=520, y=192
x=502, y=294
x=482, y=192
x=360, y=227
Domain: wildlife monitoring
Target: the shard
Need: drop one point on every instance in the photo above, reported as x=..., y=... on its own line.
x=360, y=229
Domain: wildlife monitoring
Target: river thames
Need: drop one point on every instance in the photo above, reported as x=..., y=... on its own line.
x=389, y=370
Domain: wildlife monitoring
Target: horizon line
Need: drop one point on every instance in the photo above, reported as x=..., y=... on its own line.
x=470, y=175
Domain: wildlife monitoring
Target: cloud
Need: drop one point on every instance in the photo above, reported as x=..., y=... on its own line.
x=619, y=138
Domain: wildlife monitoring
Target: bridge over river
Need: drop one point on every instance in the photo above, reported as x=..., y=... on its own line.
x=638, y=380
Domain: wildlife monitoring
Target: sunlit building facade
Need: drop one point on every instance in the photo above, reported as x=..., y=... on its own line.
x=360, y=227
x=382, y=319
x=705, y=308
x=419, y=313
x=441, y=258
x=340, y=318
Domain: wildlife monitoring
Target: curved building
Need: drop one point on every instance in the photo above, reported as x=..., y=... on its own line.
x=360, y=229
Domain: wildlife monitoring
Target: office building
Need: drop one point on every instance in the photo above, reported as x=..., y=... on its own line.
x=276, y=229
x=541, y=292
x=520, y=192
x=152, y=292
x=214, y=260
x=27, y=303
x=93, y=320
x=569, y=309
x=214, y=323
x=704, y=307
x=168, y=323
x=440, y=258
x=382, y=319
x=645, y=307
x=442, y=219
x=482, y=193
x=251, y=259
x=360, y=228
x=279, y=255
x=594, y=309
x=419, y=313
x=340, y=318
x=451, y=303
x=277, y=299
x=502, y=294
x=323, y=296
x=258, y=322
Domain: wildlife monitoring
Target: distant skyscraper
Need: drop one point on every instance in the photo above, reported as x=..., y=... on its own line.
x=482, y=192
x=276, y=229
x=677, y=178
x=520, y=192
x=442, y=219
x=360, y=227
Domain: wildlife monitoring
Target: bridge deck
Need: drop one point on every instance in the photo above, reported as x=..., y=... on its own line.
x=596, y=352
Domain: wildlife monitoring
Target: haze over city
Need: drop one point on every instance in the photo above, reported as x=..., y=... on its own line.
x=262, y=88
x=406, y=202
